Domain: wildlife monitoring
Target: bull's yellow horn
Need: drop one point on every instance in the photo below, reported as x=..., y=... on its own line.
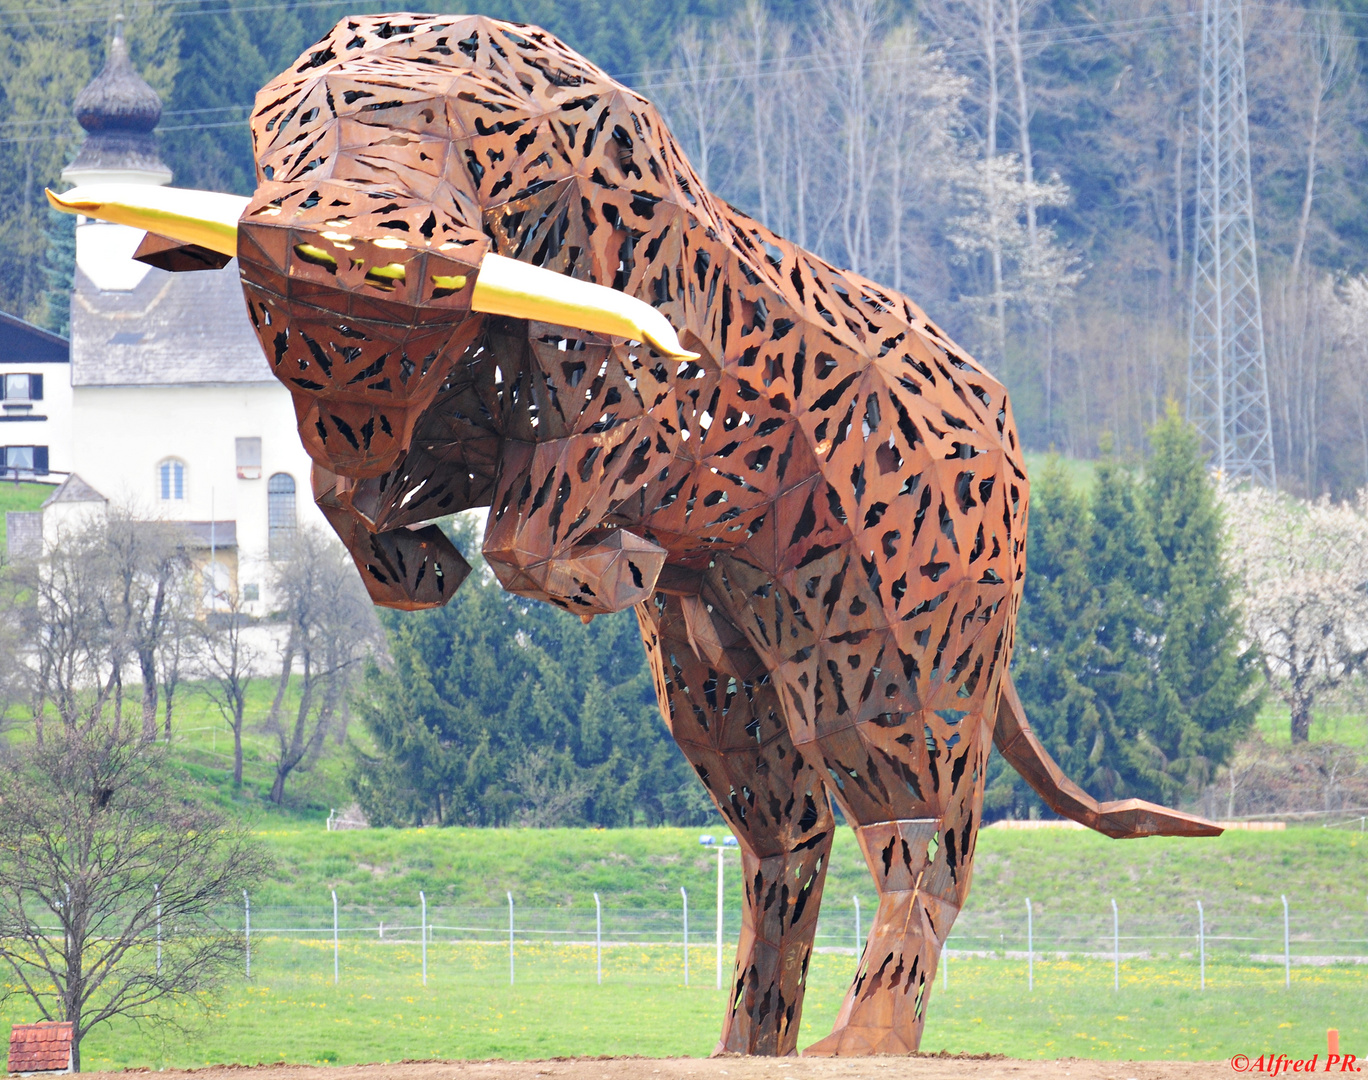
x=523, y=291
x=504, y=286
x=206, y=218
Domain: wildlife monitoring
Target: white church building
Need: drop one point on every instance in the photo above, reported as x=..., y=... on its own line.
x=173, y=410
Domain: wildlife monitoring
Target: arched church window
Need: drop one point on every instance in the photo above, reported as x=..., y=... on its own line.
x=171, y=480
x=280, y=513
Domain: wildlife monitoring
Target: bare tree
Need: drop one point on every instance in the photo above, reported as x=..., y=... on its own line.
x=149, y=570
x=702, y=90
x=1016, y=13
x=978, y=24
x=59, y=603
x=94, y=838
x=176, y=648
x=228, y=657
x=331, y=629
x=752, y=46
x=1331, y=66
x=99, y=599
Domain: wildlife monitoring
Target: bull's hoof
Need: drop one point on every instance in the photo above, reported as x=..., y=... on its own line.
x=859, y=1042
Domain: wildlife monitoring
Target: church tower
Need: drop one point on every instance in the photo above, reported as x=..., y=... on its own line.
x=175, y=411
x=118, y=111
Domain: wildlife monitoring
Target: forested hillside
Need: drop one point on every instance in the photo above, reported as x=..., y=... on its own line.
x=1023, y=168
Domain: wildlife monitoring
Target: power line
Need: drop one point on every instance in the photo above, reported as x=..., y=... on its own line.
x=773, y=68
x=770, y=68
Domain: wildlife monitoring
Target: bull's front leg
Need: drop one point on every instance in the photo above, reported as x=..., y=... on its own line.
x=401, y=567
x=546, y=539
x=724, y=714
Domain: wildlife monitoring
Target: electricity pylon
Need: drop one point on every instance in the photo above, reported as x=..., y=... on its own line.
x=1227, y=368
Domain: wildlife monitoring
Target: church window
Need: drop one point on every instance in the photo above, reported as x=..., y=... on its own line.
x=280, y=513
x=171, y=480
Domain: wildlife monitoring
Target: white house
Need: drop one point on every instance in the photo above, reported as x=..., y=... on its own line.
x=35, y=401
x=174, y=411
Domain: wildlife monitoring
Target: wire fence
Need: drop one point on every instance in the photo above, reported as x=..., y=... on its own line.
x=1287, y=934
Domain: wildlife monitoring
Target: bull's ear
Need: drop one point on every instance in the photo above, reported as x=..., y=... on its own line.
x=167, y=254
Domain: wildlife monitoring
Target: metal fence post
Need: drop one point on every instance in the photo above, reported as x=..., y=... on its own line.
x=156, y=889
x=334, y=896
x=510, y=939
x=1116, y=948
x=683, y=893
x=1201, y=941
x=1030, y=948
x=859, y=941
x=422, y=899
x=598, y=938
x=1287, y=946
x=247, y=929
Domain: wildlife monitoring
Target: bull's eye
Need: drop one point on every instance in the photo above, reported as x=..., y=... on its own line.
x=446, y=284
x=386, y=277
x=317, y=256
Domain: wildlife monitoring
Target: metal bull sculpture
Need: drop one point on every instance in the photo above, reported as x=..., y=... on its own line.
x=468, y=257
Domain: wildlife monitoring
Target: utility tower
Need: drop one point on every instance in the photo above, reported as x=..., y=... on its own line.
x=1227, y=369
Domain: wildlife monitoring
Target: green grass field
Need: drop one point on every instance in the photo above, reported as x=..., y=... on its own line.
x=380, y=1011
x=1059, y=869
x=203, y=750
x=1080, y=471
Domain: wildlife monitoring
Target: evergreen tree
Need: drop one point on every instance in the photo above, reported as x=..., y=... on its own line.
x=1128, y=657
x=497, y=709
x=1202, y=697
x=59, y=270
x=1056, y=641
x=227, y=54
x=1117, y=558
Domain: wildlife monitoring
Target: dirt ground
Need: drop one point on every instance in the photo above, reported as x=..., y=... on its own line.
x=731, y=1068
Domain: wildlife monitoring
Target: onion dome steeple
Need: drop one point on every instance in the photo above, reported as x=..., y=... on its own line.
x=118, y=111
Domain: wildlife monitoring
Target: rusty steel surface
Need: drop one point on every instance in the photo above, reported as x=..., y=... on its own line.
x=821, y=522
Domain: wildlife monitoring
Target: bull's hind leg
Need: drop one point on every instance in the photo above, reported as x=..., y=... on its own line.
x=927, y=767
x=724, y=713
x=900, y=719
x=885, y=1008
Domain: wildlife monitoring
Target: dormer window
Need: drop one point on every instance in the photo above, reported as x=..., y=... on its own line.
x=171, y=480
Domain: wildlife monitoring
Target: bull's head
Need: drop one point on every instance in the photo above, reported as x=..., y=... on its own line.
x=368, y=254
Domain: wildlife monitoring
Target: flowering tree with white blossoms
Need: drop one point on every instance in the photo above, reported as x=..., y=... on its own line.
x=1303, y=568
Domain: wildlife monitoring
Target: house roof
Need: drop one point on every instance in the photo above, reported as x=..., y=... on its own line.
x=73, y=490
x=25, y=343
x=44, y=1047
x=170, y=329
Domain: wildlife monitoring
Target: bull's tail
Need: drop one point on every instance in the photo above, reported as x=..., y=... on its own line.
x=1122, y=820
